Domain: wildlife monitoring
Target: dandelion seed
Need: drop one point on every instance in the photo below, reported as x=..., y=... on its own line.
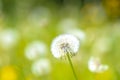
x=95, y=65
x=63, y=44
x=41, y=67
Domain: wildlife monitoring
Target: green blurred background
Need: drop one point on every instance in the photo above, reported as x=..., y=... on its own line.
x=27, y=28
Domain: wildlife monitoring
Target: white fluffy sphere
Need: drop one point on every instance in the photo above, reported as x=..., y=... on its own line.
x=63, y=43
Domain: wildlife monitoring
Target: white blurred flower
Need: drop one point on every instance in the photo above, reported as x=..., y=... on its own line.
x=63, y=44
x=95, y=65
x=8, y=38
x=35, y=50
x=66, y=24
x=41, y=67
x=40, y=16
x=78, y=33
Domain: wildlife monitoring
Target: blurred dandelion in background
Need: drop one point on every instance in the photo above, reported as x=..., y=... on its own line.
x=9, y=38
x=35, y=50
x=95, y=65
x=41, y=67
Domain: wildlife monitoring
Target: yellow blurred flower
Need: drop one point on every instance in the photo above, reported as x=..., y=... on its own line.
x=8, y=73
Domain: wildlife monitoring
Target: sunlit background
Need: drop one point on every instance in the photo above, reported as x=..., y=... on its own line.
x=27, y=28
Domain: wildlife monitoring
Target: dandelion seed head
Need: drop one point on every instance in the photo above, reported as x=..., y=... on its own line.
x=63, y=44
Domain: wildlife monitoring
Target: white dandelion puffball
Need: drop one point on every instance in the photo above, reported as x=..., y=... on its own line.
x=8, y=38
x=41, y=67
x=63, y=44
x=35, y=50
x=95, y=65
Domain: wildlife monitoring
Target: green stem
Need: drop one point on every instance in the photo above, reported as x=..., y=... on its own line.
x=69, y=59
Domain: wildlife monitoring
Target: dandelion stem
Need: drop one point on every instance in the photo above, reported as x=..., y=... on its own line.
x=69, y=59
